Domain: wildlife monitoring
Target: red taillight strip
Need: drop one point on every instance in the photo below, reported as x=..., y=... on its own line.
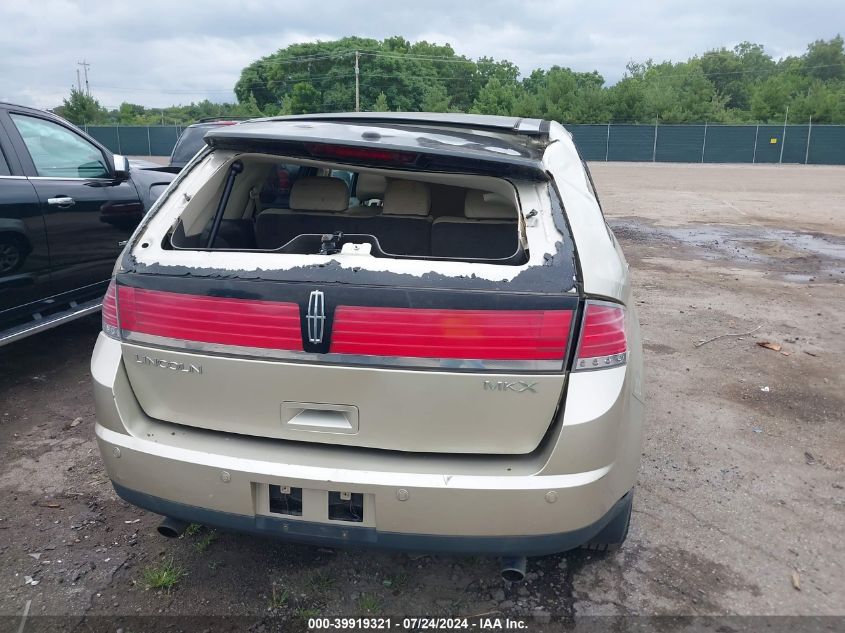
x=520, y=335
x=110, y=325
x=603, y=342
x=218, y=320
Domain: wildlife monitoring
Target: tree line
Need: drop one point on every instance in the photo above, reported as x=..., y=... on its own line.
x=740, y=85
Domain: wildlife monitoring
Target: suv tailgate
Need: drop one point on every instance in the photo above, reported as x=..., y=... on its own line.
x=394, y=368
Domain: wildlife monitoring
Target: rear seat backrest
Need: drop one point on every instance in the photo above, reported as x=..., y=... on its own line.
x=488, y=230
x=482, y=205
x=316, y=206
x=407, y=197
x=319, y=193
x=368, y=187
x=404, y=226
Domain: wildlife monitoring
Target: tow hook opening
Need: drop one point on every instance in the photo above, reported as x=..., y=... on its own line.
x=346, y=506
x=286, y=500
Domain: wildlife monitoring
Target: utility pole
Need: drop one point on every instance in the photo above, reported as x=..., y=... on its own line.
x=357, y=84
x=78, y=82
x=85, y=66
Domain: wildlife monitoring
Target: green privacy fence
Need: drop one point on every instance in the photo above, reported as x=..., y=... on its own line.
x=702, y=143
x=696, y=143
x=153, y=140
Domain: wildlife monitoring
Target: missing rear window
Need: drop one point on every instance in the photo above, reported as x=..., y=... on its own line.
x=286, y=208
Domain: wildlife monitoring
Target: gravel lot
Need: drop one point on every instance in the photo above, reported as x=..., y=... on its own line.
x=740, y=507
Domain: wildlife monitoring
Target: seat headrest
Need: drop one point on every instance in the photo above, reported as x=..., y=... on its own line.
x=406, y=197
x=482, y=205
x=370, y=186
x=319, y=193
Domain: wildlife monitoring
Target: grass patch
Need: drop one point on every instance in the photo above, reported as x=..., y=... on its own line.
x=278, y=598
x=369, y=603
x=205, y=542
x=193, y=529
x=397, y=582
x=320, y=582
x=165, y=575
x=304, y=614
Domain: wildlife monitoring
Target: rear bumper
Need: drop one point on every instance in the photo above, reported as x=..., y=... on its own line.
x=550, y=501
x=333, y=535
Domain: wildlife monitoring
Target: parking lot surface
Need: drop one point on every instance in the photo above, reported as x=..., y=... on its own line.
x=740, y=506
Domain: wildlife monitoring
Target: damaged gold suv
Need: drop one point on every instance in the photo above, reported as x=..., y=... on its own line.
x=409, y=331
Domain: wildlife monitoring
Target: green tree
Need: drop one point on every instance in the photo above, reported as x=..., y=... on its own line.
x=730, y=85
x=381, y=104
x=497, y=98
x=435, y=99
x=770, y=98
x=81, y=109
x=825, y=59
x=249, y=108
x=733, y=73
x=303, y=99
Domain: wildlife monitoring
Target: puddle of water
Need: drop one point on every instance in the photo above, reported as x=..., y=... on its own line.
x=779, y=248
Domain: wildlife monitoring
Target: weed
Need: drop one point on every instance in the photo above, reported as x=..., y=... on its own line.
x=278, y=597
x=165, y=575
x=397, y=582
x=305, y=614
x=369, y=603
x=320, y=582
x=206, y=541
x=193, y=529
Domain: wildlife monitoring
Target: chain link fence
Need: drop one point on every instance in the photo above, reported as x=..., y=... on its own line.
x=681, y=143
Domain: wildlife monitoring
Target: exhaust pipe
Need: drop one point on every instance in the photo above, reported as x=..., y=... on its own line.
x=172, y=528
x=513, y=568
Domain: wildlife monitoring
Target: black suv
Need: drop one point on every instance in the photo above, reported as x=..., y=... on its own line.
x=67, y=207
x=192, y=140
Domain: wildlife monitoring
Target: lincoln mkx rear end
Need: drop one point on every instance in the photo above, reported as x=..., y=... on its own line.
x=403, y=331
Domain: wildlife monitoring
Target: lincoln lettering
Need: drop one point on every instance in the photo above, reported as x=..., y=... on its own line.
x=501, y=385
x=168, y=364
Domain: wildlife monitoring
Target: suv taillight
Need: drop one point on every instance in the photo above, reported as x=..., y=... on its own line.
x=512, y=337
x=111, y=326
x=603, y=342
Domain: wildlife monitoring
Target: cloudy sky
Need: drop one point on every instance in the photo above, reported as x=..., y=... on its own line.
x=159, y=53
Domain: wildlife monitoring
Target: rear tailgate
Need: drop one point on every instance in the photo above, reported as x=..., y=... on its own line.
x=388, y=367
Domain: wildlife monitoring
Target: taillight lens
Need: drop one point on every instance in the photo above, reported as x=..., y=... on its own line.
x=504, y=335
x=603, y=342
x=217, y=320
x=111, y=326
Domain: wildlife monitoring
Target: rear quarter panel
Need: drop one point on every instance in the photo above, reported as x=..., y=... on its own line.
x=604, y=270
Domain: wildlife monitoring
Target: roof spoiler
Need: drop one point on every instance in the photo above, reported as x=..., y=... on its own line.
x=495, y=123
x=376, y=151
